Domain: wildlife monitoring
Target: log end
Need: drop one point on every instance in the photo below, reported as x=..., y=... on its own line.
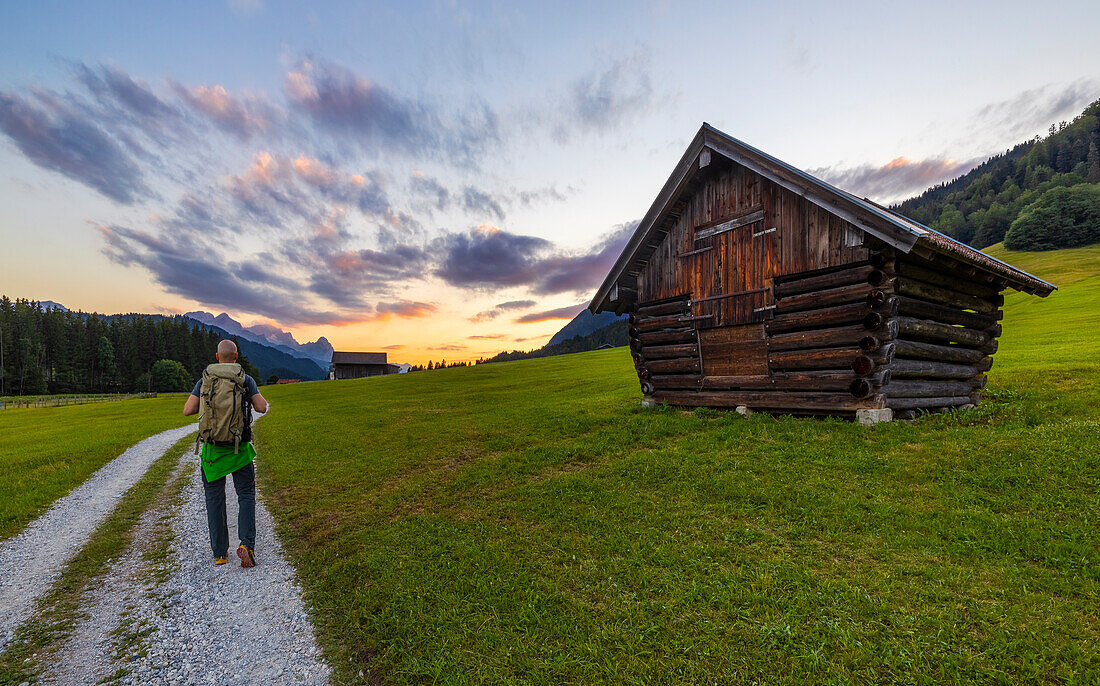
x=863, y=365
x=860, y=388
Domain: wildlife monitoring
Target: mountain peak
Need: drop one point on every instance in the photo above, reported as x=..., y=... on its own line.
x=319, y=351
x=200, y=316
x=51, y=305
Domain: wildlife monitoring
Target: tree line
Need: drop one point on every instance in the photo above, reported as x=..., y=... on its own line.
x=46, y=350
x=443, y=364
x=979, y=207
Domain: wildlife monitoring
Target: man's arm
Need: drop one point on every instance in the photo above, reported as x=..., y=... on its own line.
x=191, y=406
x=259, y=403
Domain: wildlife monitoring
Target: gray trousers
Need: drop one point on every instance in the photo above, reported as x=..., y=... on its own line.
x=244, y=483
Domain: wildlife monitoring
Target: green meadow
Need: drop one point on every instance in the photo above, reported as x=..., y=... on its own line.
x=45, y=452
x=529, y=522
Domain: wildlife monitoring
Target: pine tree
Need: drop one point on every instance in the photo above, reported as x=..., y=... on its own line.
x=107, y=367
x=1093, y=162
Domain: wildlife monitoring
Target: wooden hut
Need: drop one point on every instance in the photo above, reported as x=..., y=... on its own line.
x=752, y=283
x=357, y=365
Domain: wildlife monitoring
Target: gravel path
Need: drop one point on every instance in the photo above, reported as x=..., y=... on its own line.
x=225, y=624
x=124, y=595
x=30, y=561
x=204, y=624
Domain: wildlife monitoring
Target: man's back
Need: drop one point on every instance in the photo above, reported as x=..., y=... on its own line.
x=218, y=461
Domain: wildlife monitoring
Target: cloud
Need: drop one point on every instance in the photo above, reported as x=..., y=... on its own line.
x=431, y=189
x=501, y=309
x=479, y=202
x=275, y=189
x=516, y=305
x=198, y=271
x=898, y=179
x=449, y=347
x=305, y=231
x=545, y=194
x=580, y=272
x=487, y=337
x=316, y=173
x=1030, y=111
x=347, y=277
x=487, y=315
x=1013, y=119
x=242, y=117
x=56, y=136
x=549, y=315
x=391, y=347
x=397, y=263
x=604, y=100
x=127, y=97
x=488, y=257
x=342, y=102
x=405, y=310
x=265, y=191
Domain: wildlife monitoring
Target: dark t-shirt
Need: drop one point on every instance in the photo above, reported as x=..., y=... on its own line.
x=250, y=389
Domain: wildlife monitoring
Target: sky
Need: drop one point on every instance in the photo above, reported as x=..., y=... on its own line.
x=450, y=179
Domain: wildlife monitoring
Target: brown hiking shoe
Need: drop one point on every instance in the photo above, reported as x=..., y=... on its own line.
x=248, y=558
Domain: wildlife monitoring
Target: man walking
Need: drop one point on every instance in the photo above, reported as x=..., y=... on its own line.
x=227, y=396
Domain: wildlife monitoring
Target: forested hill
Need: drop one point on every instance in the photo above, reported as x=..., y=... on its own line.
x=54, y=350
x=979, y=207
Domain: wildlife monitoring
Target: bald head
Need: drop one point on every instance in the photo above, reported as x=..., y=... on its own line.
x=227, y=351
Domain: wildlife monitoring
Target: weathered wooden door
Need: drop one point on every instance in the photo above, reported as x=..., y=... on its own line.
x=738, y=296
x=738, y=269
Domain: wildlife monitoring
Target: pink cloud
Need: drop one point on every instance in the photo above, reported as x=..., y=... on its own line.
x=404, y=309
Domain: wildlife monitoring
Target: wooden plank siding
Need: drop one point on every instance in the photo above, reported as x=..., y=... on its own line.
x=742, y=260
x=734, y=350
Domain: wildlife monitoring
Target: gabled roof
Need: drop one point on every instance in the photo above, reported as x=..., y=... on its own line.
x=358, y=358
x=889, y=226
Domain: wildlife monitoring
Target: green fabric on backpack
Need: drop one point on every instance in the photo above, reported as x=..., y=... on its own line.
x=219, y=460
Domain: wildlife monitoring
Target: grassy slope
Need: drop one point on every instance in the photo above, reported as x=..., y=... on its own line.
x=528, y=522
x=46, y=452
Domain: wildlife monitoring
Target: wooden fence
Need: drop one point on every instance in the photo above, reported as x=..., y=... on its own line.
x=13, y=402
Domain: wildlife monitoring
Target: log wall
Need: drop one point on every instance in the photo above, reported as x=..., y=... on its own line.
x=948, y=325
x=665, y=345
x=868, y=334
x=836, y=328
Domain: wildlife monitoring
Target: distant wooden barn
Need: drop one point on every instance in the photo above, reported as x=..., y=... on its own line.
x=352, y=365
x=752, y=283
